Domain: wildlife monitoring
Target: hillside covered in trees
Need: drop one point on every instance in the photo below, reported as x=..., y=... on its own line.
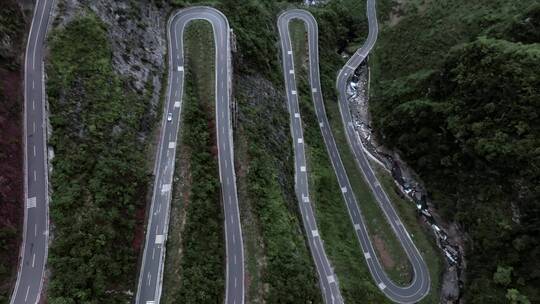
x=456, y=90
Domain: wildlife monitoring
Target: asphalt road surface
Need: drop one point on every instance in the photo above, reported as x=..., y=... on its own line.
x=33, y=254
x=151, y=273
x=419, y=287
x=327, y=278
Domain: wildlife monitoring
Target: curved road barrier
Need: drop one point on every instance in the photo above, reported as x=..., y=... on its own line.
x=420, y=285
x=151, y=273
x=33, y=255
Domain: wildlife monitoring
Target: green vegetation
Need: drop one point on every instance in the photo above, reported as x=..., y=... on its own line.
x=11, y=34
x=423, y=238
x=274, y=244
x=200, y=275
x=99, y=179
x=331, y=214
x=279, y=265
x=380, y=231
x=335, y=227
x=461, y=103
x=11, y=173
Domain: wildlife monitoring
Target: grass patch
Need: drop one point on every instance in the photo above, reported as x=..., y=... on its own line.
x=198, y=275
x=423, y=237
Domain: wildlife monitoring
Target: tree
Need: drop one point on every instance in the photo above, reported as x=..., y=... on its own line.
x=515, y=297
x=503, y=275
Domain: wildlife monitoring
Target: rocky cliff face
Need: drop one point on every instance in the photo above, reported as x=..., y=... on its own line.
x=139, y=44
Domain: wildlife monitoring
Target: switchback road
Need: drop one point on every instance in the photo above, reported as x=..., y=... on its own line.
x=420, y=284
x=33, y=254
x=327, y=278
x=151, y=273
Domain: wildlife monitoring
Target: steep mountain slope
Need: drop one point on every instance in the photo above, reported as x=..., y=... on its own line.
x=12, y=25
x=456, y=91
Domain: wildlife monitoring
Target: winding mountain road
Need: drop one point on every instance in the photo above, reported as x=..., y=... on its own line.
x=327, y=278
x=34, y=248
x=151, y=273
x=419, y=287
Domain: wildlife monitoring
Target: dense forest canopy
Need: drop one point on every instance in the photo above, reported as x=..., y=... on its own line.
x=470, y=125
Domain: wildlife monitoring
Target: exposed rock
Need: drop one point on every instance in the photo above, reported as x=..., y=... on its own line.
x=136, y=31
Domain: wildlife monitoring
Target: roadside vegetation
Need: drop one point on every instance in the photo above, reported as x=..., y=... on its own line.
x=420, y=233
x=12, y=26
x=455, y=89
x=99, y=177
x=279, y=268
x=390, y=251
x=194, y=268
x=332, y=217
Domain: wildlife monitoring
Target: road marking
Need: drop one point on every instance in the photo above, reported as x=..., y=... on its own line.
x=33, y=104
x=149, y=276
x=165, y=188
x=233, y=239
x=300, y=140
x=172, y=144
x=35, y=176
x=367, y=255
x=314, y=90
x=382, y=286
x=235, y=282
x=315, y=233
x=293, y=92
x=34, y=260
x=235, y=259
x=228, y=181
x=153, y=252
x=35, y=230
x=177, y=104
x=231, y=219
x=34, y=151
x=226, y=164
x=34, y=126
x=26, y=296
x=33, y=84
x=331, y=279
x=159, y=239
x=302, y=168
x=180, y=68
